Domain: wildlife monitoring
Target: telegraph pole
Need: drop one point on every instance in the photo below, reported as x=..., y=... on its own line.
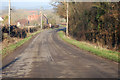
x=9, y=15
x=67, y=20
x=41, y=18
x=67, y=17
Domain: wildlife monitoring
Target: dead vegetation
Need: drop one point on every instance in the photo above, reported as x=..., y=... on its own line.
x=16, y=34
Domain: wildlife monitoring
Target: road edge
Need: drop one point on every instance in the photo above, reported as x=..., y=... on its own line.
x=86, y=50
x=12, y=56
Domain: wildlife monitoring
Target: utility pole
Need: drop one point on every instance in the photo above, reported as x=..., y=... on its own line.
x=67, y=20
x=41, y=18
x=67, y=17
x=9, y=15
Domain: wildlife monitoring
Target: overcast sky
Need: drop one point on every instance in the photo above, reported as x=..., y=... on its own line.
x=27, y=4
x=37, y=4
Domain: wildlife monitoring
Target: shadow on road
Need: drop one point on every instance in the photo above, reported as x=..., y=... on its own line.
x=10, y=63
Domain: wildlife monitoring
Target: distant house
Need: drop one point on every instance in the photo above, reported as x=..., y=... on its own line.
x=33, y=17
x=22, y=22
x=1, y=19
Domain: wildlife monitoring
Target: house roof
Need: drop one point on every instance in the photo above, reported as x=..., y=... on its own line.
x=33, y=17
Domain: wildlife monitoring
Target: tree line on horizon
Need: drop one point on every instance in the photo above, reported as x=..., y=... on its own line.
x=96, y=22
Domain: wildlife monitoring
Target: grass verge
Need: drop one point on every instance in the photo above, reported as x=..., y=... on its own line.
x=12, y=47
x=105, y=53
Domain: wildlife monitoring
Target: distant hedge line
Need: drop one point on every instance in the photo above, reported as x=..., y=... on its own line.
x=16, y=31
x=46, y=26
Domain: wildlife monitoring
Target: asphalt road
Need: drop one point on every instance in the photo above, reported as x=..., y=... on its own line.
x=47, y=56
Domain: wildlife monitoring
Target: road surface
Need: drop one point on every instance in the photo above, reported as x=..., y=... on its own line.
x=47, y=56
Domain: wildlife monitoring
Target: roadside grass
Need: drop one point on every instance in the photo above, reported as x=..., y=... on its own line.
x=12, y=47
x=102, y=52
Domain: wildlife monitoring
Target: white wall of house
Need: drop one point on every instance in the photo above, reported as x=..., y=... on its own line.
x=18, y=23
x=1, y=21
